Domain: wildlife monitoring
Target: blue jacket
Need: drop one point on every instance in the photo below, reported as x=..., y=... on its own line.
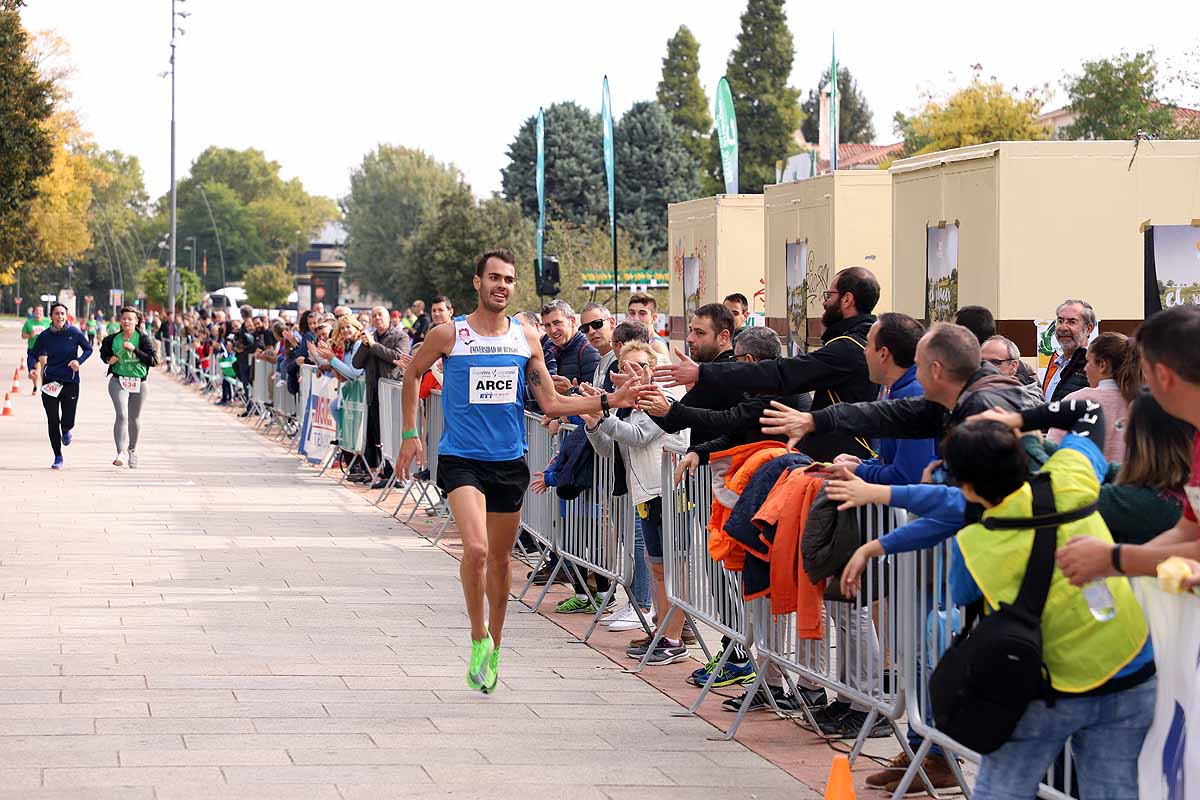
x=60, y=348
x=900, y=461
x=577, y=359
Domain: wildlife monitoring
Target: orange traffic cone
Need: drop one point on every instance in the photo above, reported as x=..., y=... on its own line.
x=8, y=412
x=841, y=785
x=16, y=387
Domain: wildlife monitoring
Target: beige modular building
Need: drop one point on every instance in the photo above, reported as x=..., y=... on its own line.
x=1035, y=223
x=715, y=247
x=815, y=227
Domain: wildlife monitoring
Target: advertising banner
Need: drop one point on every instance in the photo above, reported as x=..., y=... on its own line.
x=352, y=427
x=320, y=428
x=691, y=286
x=541, y=188
x=727, y=136
x=941, y=272
x=1172, y=256
x=797, y=295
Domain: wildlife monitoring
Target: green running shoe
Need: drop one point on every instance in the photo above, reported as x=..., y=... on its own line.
x=577, y=605
x=481, y=654
x=492, y=671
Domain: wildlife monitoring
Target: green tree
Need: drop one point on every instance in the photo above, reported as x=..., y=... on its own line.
x=854, y=115
x=26, y=141
x=654, y=168
x=240, y=243
x=445, y=247
x=1114, y=98
x=268, y=285
x=391, y=193
x=979, y=113
x=680, y=93
x=574, y=164
x=768, y=110
x=154, y=285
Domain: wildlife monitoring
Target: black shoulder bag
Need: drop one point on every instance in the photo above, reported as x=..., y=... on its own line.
x=993, y=670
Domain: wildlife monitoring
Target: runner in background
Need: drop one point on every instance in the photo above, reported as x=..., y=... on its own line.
x=129, y=354
x=64, y=347
x=29, y=331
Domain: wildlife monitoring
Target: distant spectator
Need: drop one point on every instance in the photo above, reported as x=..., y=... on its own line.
x=1003, y=354
x=739, y=307
x=978, y=320
x=577, y=360
x=1073, y=325
x=643, y=308
x=1114, y=376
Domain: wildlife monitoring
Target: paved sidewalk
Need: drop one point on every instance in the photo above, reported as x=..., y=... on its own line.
x=221, y=623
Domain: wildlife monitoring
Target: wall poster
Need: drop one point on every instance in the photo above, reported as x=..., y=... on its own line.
x=796, y=262
x=941, y=272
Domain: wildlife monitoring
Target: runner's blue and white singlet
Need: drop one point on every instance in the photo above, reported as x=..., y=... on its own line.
x=483, y=394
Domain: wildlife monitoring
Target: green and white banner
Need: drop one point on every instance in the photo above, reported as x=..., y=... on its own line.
x=727, y=136
x=352, y=424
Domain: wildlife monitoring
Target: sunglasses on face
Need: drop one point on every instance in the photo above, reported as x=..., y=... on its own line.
x=594, y=325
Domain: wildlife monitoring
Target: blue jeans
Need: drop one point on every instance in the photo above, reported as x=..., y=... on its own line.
x=1106, y=737
x=640, y=587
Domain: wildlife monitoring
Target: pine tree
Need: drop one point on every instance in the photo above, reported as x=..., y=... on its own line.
x=682, y=96
x=768, y=110
x=854, y=115
x=574, y=165
x=26, y=140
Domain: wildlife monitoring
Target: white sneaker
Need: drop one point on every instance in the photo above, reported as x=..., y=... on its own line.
x=627, y=621
x=119, y=461
x=614, y=616
x=132, y=460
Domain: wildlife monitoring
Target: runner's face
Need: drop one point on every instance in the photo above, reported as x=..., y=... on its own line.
x=496, y=285
x=38, y=313
x=58, y=317
x=128, y=322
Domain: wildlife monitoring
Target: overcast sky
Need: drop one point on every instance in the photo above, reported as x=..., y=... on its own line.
x=315, y=85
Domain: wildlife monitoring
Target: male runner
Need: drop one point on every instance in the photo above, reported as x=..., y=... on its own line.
x=488, y=358
x=29, y=332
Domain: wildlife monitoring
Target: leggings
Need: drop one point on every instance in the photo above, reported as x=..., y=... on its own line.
x=128, y=407
x=60, y=413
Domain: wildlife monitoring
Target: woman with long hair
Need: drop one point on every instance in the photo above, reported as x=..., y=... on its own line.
x=129, y=354
x=1114, y=378
x=65, y=348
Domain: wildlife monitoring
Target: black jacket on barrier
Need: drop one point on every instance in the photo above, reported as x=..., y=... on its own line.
x=738, y=425
x=920, y=418
x=834, y=373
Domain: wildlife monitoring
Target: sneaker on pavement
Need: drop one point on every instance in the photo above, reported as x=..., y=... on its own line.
x=667, y=653
x=892, y=772
x=491, y=671
x=481, y=654
x=58, y=463
x=575, y=604
x=133, y=461
x=850, y=724
x=936, y=769
x=626, y=620
x=613, y=617
x=119, y=461
x=730, y=675
x=699, y=676
x=542, y=576
x=66, y=438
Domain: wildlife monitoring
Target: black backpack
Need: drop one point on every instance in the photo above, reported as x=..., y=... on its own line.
x=994, y=669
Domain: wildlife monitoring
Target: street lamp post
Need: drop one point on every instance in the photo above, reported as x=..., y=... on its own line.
x=171, y=277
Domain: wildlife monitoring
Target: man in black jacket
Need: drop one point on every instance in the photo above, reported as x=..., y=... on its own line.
x=381, y=355
x=956, y=387
x=1073, y=325
x=835, y=373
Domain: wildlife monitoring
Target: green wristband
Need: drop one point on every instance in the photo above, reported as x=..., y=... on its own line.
x=411, y=433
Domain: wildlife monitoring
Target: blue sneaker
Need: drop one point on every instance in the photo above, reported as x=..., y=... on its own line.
x=66, y=438
x=730, y=675
x=57, y=463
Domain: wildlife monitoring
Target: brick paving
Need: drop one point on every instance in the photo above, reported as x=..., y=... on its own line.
x=221, y=623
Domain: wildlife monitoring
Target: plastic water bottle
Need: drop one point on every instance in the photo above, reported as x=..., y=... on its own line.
x=1099, y=600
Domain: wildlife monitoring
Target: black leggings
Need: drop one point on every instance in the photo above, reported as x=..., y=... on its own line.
x=60, y=413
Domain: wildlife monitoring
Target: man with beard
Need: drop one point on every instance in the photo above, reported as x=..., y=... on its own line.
x=1073, y=325
x=835, y=373
x=489, y=357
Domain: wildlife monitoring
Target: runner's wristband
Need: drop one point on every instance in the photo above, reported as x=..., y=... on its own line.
x=411, y=433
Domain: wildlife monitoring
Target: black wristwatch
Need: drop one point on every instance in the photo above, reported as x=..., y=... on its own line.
x=1116, y=558
x=604, y=403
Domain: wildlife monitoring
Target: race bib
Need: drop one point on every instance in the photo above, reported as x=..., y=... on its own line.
x=131, y=385
x=53, y=389
x=494, y=385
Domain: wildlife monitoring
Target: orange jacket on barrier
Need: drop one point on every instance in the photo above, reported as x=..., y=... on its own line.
x=732, y=470
x=787, y=508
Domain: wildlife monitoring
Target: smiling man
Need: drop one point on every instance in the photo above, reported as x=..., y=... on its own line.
x=1073, y=325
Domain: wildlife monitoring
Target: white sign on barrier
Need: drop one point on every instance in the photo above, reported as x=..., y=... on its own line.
x=321, y=427
x=1171, y=750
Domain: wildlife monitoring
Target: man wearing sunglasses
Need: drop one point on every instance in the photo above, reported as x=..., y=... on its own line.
x=595, y=321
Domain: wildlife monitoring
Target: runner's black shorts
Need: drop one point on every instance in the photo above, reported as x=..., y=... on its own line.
x=503, y=483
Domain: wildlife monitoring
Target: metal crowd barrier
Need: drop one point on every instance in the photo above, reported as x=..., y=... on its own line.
x=297, y=404
x=423, y=486
x=391, y=425
x=539, y=512
x=351, y=426
x=260, y=388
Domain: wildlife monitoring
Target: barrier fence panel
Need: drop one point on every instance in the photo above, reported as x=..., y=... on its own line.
x=260, y=393
x=391, y=425
x=859, y=654
x=598, y=535
x=539, y=511
x=297, y=406
x=352, y=424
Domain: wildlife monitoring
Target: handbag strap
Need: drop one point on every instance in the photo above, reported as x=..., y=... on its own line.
x=1035, y=586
